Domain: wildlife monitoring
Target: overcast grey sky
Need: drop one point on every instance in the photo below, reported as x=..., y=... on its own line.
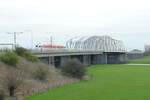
x=126, y=20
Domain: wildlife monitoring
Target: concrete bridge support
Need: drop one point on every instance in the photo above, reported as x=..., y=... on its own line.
x=45, y=60
x=105, y=58
x=64, y=59
x=78, y=57
x=59, y=61
x=99, y=59
x=116, y=58
x=86, y=59
x=51, y=61
x=48, y=60
x=93, y=59
x=122, y=58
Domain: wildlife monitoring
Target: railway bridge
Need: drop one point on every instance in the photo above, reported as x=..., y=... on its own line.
x=88, y=50
x=58, y=58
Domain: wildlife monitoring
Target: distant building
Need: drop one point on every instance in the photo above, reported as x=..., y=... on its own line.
x=135, y=51
x=147, y=48
x=134, y=54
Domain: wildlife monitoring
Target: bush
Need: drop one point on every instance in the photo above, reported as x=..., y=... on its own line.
x=41, y=74
x=26, y=54
x=31, y=57
x=9, y=58
x=74, y=68
x=21, y=51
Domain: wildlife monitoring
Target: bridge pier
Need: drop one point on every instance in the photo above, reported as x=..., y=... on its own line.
x=93, y=59
x=45, y=60
x=48, y=60
x=51, y=61
x=103, y=59
x=86, y=60
x=99, y=59
x=64, y=59
x=116, y=58
x=123, y=58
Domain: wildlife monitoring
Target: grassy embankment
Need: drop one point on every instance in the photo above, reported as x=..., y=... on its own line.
x=109, y=82
x=23, y=72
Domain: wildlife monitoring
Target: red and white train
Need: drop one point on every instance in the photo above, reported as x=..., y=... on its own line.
x=48, y=46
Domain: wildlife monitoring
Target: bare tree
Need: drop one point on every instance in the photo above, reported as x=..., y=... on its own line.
x=12, y=81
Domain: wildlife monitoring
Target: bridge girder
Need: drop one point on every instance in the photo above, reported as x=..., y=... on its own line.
x=96, y=43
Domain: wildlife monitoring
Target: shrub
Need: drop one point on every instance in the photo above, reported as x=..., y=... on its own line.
x=74, y=68
x=41, y=74
x=26, y=54
x=21, y=51
x=9, y=58
x=31, y=57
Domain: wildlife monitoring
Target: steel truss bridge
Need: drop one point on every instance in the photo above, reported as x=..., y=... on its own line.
x=88, y=50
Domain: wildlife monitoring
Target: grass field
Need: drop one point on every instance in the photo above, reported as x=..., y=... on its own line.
x=109, y=82
x=143, y=60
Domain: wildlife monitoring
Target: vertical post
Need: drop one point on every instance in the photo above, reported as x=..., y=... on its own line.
x=15, y=38
x=98, y=59
x=51, y=62
x=85, y=59
x=31, y=40
x=104, y=59
x=89, y=59
x=15, y=41
x=51, y=40
x=64, y=59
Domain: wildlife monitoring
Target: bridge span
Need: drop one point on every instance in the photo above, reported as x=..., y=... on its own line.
x=50, y=53
x=57, y=58
x=89, y=50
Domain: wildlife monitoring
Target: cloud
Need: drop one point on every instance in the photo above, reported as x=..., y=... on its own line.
x=128, y=20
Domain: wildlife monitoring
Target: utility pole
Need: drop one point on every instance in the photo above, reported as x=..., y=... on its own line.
x=15, y=37
x=31, y=40
x=51, y=38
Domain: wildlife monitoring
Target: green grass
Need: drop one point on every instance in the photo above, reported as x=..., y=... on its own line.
x=109, y=82
x=143, y=60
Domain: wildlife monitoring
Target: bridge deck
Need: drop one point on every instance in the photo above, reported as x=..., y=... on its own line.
x=63, y=53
